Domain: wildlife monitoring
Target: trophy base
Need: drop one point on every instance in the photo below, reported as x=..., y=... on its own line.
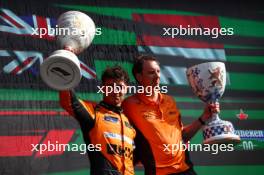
x=232, y=139
x=61, y=70
x=219, y=131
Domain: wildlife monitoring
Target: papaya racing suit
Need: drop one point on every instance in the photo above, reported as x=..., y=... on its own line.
x=103, y=124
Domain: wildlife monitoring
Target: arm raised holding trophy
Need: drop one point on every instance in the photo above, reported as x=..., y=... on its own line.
x=61, y=70
x=190, y=130
x=103, y=124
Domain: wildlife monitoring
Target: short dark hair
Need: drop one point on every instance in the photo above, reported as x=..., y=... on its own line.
x=139, y=61
x=115, y=73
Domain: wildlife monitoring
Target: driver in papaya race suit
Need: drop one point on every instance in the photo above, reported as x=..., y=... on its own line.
x=105, y=124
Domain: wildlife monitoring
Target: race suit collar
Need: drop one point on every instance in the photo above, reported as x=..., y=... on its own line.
x=110, y=107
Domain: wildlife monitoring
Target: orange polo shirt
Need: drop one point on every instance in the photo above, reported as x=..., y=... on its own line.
x=160, y=124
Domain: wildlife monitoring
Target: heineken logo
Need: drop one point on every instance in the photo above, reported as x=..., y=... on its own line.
x=250, y=140
x=250, y=134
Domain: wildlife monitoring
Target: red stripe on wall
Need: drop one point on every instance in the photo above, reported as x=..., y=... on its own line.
x=11, y=20
x=34, y=113
x=42, y=23
x=17, y=145
x=24, y=64
x=177, y=20
x=187, y=22
x=88, y=70
x=148, y=40
x=54, y=142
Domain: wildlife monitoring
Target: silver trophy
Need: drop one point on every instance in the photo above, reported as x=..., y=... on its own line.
x=208, y=82
x=75, y=32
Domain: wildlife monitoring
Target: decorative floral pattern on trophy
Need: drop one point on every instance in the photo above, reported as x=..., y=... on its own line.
x=208, y=82
x=61, y=70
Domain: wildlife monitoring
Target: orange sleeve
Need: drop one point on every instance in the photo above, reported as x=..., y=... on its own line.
x=83, y=111
x=65, y=101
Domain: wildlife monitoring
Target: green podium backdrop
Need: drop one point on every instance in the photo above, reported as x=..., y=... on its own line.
x=29, y=110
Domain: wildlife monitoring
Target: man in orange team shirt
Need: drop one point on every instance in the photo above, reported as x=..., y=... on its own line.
x=158, y=123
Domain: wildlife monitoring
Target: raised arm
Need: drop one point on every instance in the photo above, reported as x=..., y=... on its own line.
x=81, y=110
x=190, y=130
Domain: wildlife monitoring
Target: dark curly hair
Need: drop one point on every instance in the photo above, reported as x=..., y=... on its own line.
x=115, y=73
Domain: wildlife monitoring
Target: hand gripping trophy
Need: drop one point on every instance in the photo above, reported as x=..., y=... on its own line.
x=208, y=82
x=61, y=70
